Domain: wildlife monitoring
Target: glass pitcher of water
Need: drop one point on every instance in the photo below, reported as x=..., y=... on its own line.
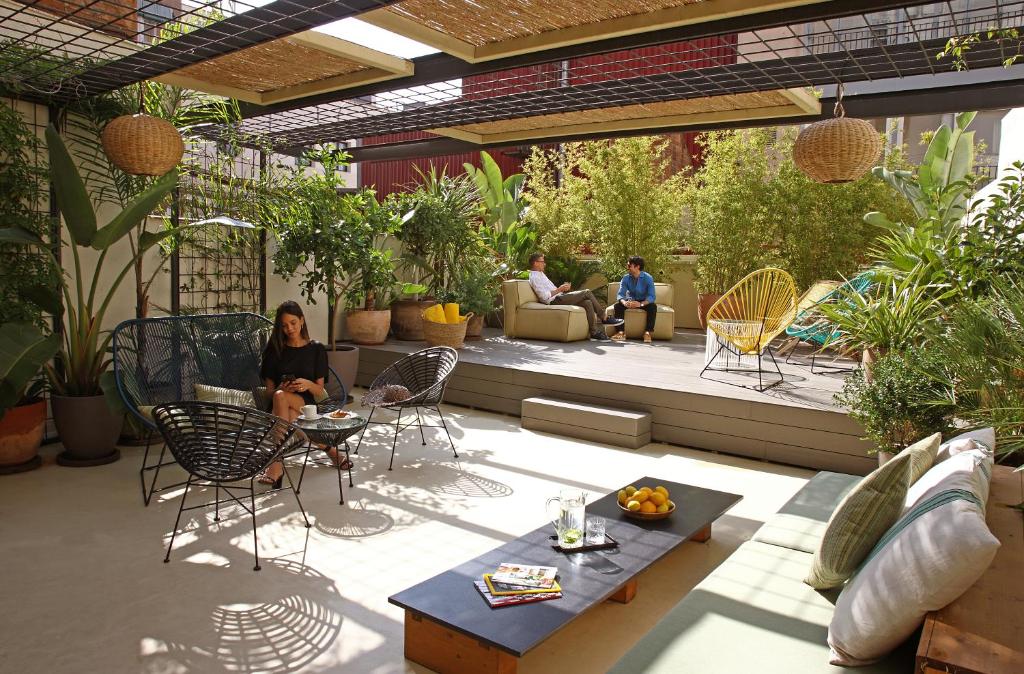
x=567, y=515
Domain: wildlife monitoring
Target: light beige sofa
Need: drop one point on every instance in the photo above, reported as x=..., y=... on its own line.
x=664, y=322
x=529, y=318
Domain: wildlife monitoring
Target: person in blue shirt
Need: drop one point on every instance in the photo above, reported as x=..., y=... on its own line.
x=636, y=291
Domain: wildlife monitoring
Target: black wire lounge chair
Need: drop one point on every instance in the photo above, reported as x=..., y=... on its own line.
x=221, y=445
x=425, y=374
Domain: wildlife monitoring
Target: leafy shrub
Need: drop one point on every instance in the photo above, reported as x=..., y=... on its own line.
x=900, y=404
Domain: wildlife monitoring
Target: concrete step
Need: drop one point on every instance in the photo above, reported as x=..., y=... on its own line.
x=624, y=428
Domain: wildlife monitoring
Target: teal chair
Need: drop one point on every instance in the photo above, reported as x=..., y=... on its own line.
x=812, y=327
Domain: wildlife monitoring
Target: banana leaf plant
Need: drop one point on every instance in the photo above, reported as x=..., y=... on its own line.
x=84, y=354
x=24, y=351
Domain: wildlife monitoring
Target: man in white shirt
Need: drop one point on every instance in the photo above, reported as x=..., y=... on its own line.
x=548, y=293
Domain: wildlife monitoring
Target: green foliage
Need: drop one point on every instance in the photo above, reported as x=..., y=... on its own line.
x=958, y=46
x=23, y=204
x=439, y=228
x=750, y=207
x=502, y=201
x=556, y=194
x=476, y=287
x=897, y=406
x=615, y=199
x=335, y=242
x=950, y=244
x=24, y=351
x=894, y=316
x=511, y=247
x=978, y=361
x=84, y=352
x=634, y=205
x=570, y=270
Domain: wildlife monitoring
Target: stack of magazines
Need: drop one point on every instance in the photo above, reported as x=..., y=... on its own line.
x=515, y=583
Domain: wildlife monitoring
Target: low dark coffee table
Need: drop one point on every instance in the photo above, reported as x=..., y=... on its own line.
x=450, y=628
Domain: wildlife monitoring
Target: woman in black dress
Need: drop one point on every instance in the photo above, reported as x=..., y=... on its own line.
x=294, y=370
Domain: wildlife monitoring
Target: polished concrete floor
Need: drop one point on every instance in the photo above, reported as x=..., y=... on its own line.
x=85, y=589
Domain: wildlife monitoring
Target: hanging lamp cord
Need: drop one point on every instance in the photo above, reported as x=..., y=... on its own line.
x=838, y=111
x=142, y=97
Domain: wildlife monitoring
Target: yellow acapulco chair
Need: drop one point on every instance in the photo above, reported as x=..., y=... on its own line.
x=750, y=315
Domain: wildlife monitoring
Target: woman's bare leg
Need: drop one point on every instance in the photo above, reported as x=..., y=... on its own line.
x=287, y=406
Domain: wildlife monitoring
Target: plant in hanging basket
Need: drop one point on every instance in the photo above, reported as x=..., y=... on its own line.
x=838, y=150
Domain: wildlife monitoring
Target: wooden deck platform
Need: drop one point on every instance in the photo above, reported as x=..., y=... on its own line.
x=795, y=422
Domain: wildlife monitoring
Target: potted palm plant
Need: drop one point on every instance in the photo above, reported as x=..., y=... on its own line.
x=87, y=424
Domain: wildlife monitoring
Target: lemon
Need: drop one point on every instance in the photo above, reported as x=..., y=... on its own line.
x=663, y=508
x=646, y=489
x=662, y=490
x=648, y=507
x=640, y=496
x=657, y=498
x=630, y=490
x=633, y=505
x=623, y=496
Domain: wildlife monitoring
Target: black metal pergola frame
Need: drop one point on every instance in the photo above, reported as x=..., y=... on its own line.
x=806, y=46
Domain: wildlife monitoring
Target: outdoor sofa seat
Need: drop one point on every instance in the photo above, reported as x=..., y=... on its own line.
x=664, y=322
x=527, y=317
x=754, y=612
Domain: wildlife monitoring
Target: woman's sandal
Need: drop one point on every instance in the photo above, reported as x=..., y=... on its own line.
x=264, y=478
x=335, y=456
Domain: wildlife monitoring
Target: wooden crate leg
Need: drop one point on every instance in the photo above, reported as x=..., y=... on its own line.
x=443, y=650
x=702, y=535
x=625, y=594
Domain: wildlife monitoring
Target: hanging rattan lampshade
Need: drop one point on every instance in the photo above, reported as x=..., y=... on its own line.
x=837, y=150
x=142, y=145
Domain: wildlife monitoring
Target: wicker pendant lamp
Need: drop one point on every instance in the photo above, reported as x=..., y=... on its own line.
x=142, y=145
x=837, y=150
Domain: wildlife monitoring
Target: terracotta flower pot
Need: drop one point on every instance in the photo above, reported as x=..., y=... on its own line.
x=475, y=329
x=704, y=303
x=21, y=433
x=407, y=318
x=87, y=429
x=369, y=327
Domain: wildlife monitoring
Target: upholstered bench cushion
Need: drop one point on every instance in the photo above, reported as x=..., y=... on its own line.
x=800, y=524
x=752, y=614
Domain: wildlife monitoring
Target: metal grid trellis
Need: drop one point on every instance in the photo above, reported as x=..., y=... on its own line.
x=894, y=43
x=218, y=269
x=67, y=50
x=42, y=207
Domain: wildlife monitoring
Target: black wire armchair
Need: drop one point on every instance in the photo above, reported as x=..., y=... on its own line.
x=425, y=374
x=219, y=445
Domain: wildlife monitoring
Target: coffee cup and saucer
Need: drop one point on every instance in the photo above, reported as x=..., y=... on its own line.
x=309, y=413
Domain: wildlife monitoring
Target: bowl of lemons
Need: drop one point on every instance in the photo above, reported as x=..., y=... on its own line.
x=645, y=503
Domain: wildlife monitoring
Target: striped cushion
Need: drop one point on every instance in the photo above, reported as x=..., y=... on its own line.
x=922, y=455
x=860, y=520
x=228, y=396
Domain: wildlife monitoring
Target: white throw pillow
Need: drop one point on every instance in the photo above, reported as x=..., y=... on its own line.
x=927, y=559
x=970, y=469
x=951, y=447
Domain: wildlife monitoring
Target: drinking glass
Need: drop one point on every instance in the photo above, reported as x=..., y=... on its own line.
x=595, y=530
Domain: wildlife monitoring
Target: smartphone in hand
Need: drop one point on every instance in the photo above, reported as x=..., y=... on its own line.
x=286, y=381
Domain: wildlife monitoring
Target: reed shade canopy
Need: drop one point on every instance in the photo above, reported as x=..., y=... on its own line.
x=838, y=150
x=142, y=145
